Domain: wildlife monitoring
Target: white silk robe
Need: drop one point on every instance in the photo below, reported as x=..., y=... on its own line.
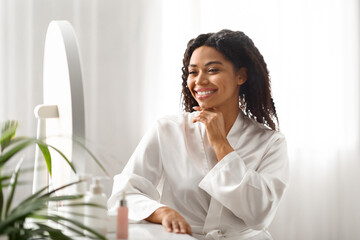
x=235, y=198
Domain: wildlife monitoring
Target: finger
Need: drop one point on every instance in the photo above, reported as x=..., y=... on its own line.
x=200, y=109
x=183, y=227
x=189, y=231
x=167, y=226
x=199, y=119
x=205, y=115
x=175, y=226
x=197, y=108
x=194, y=119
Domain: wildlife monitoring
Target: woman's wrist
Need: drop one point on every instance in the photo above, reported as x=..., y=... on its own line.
x=221, y=150
x=157, y=215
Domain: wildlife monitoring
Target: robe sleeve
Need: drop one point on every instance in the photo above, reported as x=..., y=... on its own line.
x=139, y=179
x=252, y=195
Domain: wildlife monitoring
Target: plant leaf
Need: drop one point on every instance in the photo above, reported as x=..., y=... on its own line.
x=5, y=156
x=14, y=180
x=54, y=233
x=46, y=153
x=19, y=143
x=17, y=139
x=33, y=196
x=4, y=178
x=59, y=188
x=57, y=219
x=44, y=217
x=65, y=158
x=37, y=197
x=7, y=133
x=65, y=197
x=1, y=199
x=91, y=154
x=9, y=231
x=20, y=213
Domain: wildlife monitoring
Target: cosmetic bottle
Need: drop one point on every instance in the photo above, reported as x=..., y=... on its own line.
x=122, y=223
x=96, y=216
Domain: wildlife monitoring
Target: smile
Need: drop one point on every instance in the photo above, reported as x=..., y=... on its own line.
x=202, y=94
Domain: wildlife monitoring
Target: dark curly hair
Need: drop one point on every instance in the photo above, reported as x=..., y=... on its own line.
x=255, y=94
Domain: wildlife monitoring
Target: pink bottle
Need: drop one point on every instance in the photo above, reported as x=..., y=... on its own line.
x=122, y=224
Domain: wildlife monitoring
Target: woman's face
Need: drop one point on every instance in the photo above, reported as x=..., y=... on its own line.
x=212, y=79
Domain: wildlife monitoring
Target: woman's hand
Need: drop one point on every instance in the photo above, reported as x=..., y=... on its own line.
x=171, y=220
x=215, y=127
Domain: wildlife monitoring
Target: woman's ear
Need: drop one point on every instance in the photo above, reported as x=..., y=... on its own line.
x=242, y=76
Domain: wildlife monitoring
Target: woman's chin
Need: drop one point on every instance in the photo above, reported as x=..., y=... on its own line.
x=206, y=106
x=203, y=105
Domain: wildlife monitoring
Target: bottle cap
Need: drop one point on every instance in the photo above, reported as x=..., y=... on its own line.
x=123, y=202
x=96, y=187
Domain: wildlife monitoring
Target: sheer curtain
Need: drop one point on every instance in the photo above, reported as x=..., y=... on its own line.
x=131, y=54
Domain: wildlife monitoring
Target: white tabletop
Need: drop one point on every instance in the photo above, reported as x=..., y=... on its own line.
x=145, y=231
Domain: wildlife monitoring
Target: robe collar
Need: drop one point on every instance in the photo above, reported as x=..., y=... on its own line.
x=235, y=131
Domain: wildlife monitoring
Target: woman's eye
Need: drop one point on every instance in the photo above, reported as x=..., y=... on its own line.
x=213, y=70
x=191, y=72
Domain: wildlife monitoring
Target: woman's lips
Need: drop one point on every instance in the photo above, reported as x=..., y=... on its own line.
x=202, y=94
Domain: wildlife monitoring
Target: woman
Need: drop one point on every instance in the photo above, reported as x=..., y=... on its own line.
x=223, y=163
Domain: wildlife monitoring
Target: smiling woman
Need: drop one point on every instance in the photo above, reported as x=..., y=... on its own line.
x=231, y=53
x=213, y=81
x=225, y=169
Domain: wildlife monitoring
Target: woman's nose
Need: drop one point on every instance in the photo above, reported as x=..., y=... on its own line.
x=202, y=79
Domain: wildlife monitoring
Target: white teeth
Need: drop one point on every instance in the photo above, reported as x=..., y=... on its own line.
x=204, y=93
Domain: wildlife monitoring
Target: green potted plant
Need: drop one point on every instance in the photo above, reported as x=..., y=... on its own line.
x=14, y=219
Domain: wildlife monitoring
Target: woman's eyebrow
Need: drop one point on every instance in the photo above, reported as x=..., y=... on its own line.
x=213, y=62
x=207, y=64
